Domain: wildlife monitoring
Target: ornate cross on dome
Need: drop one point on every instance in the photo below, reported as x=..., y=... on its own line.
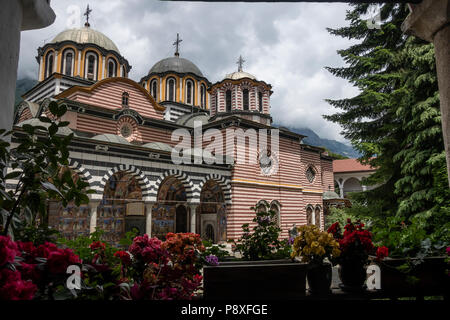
x=87, y=13
x=177, y=45
x=240, y=62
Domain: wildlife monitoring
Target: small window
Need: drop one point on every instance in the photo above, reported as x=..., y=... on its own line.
x=67, y=63
x=189, y=92
x=228, y=101
x=170, y=95
x=124, y=72
x=91, y=66
x=245, y=98
x=111, y=68
x=49, y=65
x=203, y=96
x=310, y=174
x=317, y=217
x=216, y=101
x=276, y=210
x=260, y=101
x=154, y=89
x=125, y=97
x=309, y=216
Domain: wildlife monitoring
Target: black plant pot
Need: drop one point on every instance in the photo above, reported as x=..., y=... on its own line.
x=353, y=276
x=319, y=279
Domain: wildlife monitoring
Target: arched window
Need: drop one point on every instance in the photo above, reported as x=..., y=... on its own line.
x=317, y=216
x=245, y=98
x=49, y=65
x=260, y=101
x=91, y=66
x=274, y=206
x=111, y=68
x=189, y=92
x=203, y=96
x=154, y=88
x=309, y=216
x=68, y=62
x=228, y=100
x=125, y=97
x=170, y=90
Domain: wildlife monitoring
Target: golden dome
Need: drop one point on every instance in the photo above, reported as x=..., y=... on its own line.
x=239, y=75
x=86, y=35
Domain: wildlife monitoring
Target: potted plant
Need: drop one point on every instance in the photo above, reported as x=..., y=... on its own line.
x=264, y=269
x=313, y=247
x=355, y=245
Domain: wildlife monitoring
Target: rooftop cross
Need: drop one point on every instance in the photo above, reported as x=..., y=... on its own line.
x=240, y=62
x=177, y=45
x=87, y=13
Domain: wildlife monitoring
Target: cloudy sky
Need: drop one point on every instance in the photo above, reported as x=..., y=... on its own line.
x=284, y=44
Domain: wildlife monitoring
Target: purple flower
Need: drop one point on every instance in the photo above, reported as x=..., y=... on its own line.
x=212, y=260
x=291, y=240
x=448, y=251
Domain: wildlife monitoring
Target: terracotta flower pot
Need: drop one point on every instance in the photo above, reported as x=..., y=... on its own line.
x=319, y=278
x=353, y=276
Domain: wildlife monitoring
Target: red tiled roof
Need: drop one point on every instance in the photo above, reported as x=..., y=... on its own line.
x=350, y=165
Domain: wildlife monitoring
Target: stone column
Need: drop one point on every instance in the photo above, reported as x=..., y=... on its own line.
x=16, y=16
x=148, y=219
x=93, y=204
x=430, y=20
x=193, y=217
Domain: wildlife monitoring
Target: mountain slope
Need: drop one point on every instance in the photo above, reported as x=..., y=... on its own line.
x=332, y=145
x=22, y=86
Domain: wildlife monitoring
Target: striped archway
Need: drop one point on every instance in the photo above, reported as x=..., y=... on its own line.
x=144, y=183
x=82, y=172
x=222, y=181
x=183, y=178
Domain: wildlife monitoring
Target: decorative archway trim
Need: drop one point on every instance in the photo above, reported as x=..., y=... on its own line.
x=223, y=182
x=144, y=183
x=82, y=172
x=184, y=179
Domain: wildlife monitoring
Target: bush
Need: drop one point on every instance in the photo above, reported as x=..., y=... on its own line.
x=263, y=243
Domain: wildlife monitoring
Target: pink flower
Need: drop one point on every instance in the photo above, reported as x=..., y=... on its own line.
x=8, y=250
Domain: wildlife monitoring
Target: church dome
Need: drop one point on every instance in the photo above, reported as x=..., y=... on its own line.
x=239, y=75
x=86, y=35
x=175, y=64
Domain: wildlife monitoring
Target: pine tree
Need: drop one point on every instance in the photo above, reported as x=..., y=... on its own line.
x=395, y=123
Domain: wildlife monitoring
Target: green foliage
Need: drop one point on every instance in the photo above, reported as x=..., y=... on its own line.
x=214, y=249
x=35, y=162
x=395, y=123
x=37, y=234
x=341, y=215
x=263, y=242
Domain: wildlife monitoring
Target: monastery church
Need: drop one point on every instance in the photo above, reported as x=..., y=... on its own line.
x=122, y=145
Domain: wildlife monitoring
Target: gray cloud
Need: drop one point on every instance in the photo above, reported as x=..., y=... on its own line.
x=284, y=44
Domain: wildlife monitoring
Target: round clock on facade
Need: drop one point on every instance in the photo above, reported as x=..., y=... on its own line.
x=126, y=130
x=268, y=163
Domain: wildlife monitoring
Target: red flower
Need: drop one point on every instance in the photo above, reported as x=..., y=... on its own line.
x=97, y=245
x=12, y=287
x=382, y=252
x=27, y=247
x=8, y=250
x=124, y=257
x=58, y=261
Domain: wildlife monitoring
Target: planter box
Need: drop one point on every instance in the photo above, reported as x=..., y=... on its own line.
x=271, y=279
x=431, y=273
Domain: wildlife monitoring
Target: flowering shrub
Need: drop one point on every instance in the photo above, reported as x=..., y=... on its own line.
x=313, y=245
x=263, y=243
x=28, y=272
x=355, y=243
x=166, y=270
x=382, y=252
